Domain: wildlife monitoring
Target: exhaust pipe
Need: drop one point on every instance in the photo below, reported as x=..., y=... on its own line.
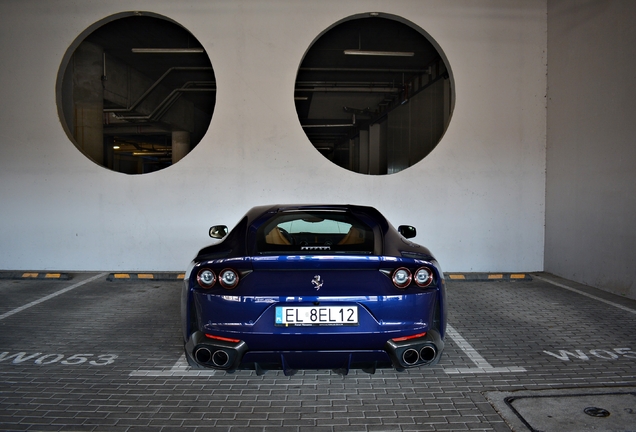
x=415, y=351
x=203, y=355
x=428, y=353
x=220, y=358
x=215, y=353
x=410, y=356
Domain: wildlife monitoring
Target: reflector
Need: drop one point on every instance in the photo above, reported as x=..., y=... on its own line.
x=221, y=338
x=400, y=339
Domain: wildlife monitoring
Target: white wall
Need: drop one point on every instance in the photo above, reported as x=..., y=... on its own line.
x=591, y=170
x=477, y=199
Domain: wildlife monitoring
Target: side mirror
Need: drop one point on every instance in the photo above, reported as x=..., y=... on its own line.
x=407, y=231
x=218, y=231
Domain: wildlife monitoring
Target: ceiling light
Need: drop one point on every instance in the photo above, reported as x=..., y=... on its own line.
x=150, y=153
x=379, y=53
x=167, y=50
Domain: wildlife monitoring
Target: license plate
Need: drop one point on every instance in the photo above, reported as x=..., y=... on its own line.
x=316, y=315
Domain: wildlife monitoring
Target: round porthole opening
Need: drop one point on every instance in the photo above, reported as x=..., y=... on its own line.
x=374, y=94
x=136, y=92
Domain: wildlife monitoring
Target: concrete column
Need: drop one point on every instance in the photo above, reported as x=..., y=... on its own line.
x=180, y=145
x=88, y=100
x=353, y=156
x=364, y=152
x=377, y=149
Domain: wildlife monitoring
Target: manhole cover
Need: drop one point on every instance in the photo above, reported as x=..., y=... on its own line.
x=577, y=412
x=596, y=412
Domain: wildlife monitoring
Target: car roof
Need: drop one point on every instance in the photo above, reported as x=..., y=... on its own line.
x=236, y=242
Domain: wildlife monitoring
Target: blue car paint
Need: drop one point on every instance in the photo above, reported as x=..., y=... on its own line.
x=248, y=312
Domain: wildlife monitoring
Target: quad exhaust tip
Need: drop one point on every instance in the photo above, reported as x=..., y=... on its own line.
x=219, y=358
x=428, y=353
x=203, y=355
x=410, y=356
x=218, y=353
x=413, y=357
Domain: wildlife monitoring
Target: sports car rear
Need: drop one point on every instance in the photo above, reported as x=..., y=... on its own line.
x=314, y=288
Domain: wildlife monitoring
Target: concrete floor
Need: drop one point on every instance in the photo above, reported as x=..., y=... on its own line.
x=89, y=353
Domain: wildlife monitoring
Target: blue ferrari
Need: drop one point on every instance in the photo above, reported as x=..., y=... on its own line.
x=313, y=287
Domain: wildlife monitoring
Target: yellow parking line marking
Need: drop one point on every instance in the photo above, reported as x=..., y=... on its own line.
x=145, y=276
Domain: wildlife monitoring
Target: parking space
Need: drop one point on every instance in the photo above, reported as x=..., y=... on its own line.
x=18, y=291
x=107, y=355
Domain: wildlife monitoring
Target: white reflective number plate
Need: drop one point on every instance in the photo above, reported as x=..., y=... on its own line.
x=316, y=315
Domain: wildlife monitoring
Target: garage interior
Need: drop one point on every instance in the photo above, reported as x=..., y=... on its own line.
x=376, y=110
x=137, y=94
x=528, y=169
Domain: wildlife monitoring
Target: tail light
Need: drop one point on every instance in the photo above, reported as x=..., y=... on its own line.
x=423, y=277
x=402, y=277
x=228, y=278
x=206, y=278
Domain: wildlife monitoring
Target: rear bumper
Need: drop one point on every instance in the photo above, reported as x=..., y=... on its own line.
x=230, y=356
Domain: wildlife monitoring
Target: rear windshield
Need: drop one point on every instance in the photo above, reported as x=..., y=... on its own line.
x=315, y=232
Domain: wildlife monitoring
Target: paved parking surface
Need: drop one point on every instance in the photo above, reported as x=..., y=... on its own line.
x=107, y=355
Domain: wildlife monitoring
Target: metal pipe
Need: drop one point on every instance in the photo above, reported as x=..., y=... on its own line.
x=220, y=358
x=203, y=355
x=427, y=353
x=152, y=87
x=410, y=357
x=167, y=102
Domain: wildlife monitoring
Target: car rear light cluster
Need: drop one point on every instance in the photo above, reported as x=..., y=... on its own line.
x=227, y=278
x=402, y=277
